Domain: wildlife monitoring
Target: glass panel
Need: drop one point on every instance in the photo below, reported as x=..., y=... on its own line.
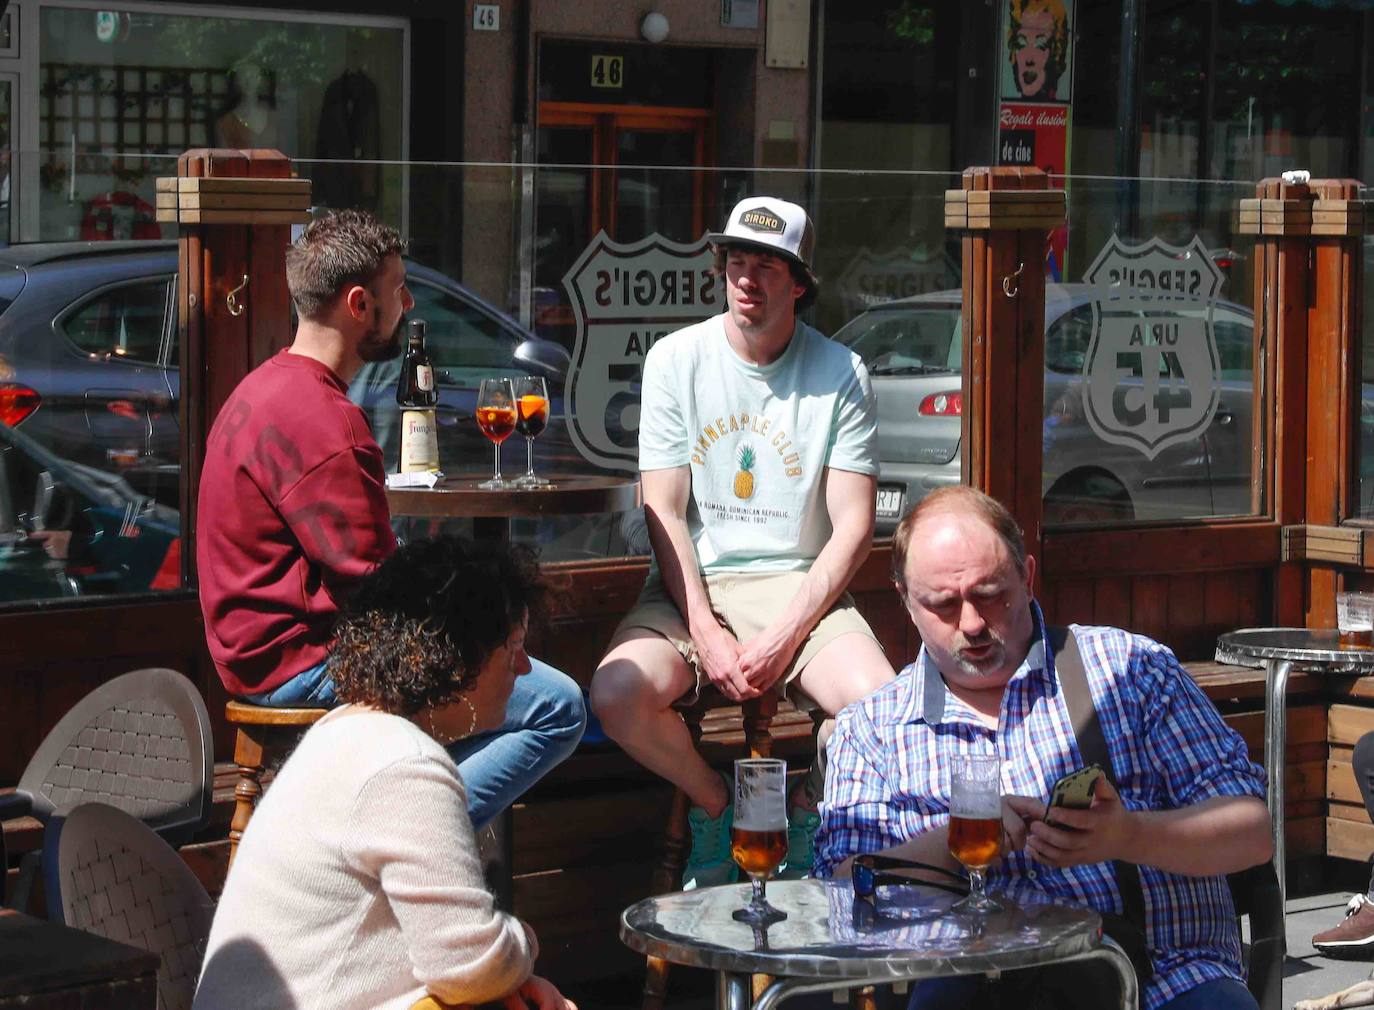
x=6, y=142
x=654, y=201
x=563, y=220
x=1364, y=436
x=1150, y=408
x=1150, y=412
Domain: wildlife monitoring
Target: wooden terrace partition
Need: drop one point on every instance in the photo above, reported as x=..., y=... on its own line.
x=1184, y=584
x=586, y=838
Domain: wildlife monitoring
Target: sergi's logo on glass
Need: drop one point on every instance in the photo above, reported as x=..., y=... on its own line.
x=762, y=220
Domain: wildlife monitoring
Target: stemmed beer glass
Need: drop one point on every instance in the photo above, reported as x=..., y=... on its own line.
x=496, y=418
x=758, y=839
x=531, y=418
x=975, y=823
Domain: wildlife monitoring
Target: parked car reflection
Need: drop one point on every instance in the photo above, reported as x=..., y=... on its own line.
x=67, y=529
x=89, y=361
x=913, y=349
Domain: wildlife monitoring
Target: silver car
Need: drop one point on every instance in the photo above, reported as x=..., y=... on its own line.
x=913, y=349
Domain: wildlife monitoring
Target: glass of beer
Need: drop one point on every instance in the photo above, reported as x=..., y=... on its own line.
x=758, y=839
x=531, y=418
x=975, y=823
x=496, y=418
x=1355, y=620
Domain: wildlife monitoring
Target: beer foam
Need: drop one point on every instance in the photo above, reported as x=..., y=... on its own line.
x=759, y=808
x=976, y=807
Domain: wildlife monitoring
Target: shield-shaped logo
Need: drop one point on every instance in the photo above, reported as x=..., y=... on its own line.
x=871, y=279
x=1152, y=371
x=626, y=297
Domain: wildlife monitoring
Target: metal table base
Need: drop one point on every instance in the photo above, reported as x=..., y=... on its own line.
x=733, y=990
x=1280, y=650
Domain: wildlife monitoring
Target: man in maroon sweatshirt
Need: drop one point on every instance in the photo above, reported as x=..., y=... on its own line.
x=292, y=509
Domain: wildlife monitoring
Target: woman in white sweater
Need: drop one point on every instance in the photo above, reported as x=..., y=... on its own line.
x=357, y=884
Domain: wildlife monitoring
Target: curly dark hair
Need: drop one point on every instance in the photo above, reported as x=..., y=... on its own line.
x=423, y=623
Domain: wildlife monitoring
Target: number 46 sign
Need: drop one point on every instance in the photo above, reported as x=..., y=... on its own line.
x=1152, y=371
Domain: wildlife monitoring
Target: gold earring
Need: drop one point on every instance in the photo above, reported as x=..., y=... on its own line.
x=446, y=740
x=472, y=722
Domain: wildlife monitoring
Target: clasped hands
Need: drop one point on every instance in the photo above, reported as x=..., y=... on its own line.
x=744, y=670
x=1096, y=834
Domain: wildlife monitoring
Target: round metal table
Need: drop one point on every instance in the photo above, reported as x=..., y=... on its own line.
x=827, y=942
x=491, y=511
x=1317, y=650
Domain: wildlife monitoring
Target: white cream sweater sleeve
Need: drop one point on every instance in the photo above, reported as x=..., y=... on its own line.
x=412, y=832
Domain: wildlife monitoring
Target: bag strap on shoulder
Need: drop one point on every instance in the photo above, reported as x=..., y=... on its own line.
x=1092, y=745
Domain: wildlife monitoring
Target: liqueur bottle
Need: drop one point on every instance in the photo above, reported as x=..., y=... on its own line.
x=417, y=396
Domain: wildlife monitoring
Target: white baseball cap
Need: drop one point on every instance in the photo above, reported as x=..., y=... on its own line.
x=771, y=224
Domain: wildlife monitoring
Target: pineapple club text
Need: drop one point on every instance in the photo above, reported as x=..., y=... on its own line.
x=713, y=433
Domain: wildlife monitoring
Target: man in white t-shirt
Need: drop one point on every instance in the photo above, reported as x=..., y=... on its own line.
x=756, y=454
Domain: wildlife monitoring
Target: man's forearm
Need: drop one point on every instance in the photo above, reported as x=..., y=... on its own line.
x=1224, y=834
x=677, y=565
x=827, y=578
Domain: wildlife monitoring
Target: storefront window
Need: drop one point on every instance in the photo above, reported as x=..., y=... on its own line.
x=90, y=436
x=122, y=93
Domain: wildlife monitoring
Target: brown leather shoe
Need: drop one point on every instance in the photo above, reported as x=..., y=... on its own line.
x=1355, y=936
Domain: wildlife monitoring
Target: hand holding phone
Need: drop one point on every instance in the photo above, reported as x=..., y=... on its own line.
x=1074, y=790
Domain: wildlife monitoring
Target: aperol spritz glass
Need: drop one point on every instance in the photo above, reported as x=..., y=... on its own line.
x=496, y=418
x=531, y=418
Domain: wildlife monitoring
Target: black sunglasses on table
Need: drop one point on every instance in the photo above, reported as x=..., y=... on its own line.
x=870, y=871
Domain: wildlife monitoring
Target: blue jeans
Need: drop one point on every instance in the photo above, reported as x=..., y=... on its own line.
x=964, y=991
x=544, y=721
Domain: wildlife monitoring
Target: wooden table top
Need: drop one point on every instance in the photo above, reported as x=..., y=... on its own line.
x=569, y=495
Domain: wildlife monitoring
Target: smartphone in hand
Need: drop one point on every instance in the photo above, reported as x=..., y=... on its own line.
x=1074, y=790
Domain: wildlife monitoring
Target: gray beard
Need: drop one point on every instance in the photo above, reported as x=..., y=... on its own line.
x=972, y=669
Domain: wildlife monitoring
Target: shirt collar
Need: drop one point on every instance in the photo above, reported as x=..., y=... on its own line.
x=934, y=699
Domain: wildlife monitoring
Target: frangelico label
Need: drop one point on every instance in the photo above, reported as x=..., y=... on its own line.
x=419, y=441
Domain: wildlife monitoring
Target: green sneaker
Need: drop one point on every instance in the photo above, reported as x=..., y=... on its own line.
x=710, y=861
x=801, y=841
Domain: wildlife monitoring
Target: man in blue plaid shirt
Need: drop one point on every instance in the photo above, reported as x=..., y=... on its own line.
x=1189, y=807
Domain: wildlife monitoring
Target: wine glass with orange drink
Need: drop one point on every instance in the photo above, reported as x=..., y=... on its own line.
x=531, y=418
x=496, y=417
x=975, y=823
x=758, y=836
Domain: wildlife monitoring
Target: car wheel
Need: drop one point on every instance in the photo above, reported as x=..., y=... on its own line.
x=1082, y=499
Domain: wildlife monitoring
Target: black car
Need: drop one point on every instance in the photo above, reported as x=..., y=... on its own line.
x=88, y=362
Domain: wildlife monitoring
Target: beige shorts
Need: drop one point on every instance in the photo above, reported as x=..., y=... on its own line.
x=744, y=604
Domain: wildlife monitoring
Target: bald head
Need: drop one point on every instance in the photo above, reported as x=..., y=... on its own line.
x=958, y=500
x=961, y=569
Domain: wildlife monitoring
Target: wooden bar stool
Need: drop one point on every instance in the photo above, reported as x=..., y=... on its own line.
x=263, y=737
x=758, y=716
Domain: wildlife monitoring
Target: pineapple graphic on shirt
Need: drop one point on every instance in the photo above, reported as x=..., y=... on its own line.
x=744, y=477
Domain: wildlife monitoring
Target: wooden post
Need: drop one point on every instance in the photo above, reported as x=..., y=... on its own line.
x=235, y=210
x=1307, y=287
x=1005, y=214
x=1333, y=372
x=1279, y=218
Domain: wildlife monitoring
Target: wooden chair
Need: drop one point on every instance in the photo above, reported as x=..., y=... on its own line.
x=758, y=716
x=264, y=736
